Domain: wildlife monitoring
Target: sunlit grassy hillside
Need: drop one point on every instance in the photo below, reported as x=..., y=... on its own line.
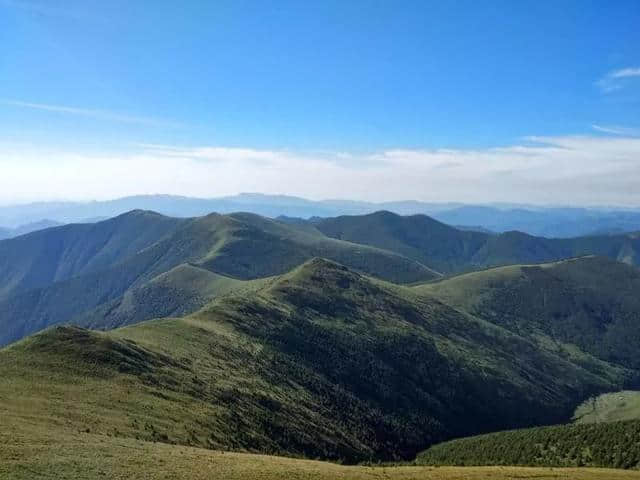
x=319, y=362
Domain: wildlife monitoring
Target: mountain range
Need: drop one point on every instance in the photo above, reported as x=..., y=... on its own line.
x=96, y=274
x=553, y=222
x=319, y=361
x=27, y=228
x=355, y=338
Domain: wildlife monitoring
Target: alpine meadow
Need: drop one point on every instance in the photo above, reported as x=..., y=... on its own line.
x=319, y=240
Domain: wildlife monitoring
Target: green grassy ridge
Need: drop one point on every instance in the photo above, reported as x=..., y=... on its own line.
x=590, y=303
x=609, y=407
x=611, y=445
x=242, y=246
x=95, y=269
x=320, y=362
x=449, y=250
x=420, y=237
x=180, y=291
x=259, y=247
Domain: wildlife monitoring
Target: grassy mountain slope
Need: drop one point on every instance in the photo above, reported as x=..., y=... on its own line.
x=590, y=302
x=182, y=290
x=613, y=445
x=450, y=250
x=320, y=362
x=435, y=244
x=248, y=246
x=41, y=258
x=609, y=407
x=35, y=454
x=243, y=246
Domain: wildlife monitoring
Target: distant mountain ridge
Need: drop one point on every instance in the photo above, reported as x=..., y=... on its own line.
x=450, y=250
x=27, y=228
x=62, y=274
x=142, y=265
x=535, y=220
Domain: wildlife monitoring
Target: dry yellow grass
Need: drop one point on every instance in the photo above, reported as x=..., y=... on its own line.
x=31, y=453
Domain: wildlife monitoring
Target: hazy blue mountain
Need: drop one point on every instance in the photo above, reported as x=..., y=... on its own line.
x=547, y=222
x=27, y=228
x=473, y=228
x=534, y=220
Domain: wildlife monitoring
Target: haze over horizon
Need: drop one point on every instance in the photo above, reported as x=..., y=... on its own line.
x=418, y=101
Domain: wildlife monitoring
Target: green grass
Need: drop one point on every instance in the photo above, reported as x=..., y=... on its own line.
x=609, y=407
x=180, y=291
x=61, y=454
x=320, y=362
x=590, y=303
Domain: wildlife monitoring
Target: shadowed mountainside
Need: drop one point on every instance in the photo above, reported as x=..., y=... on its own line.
x=320, y=362
x=590, y=302
x=449, y=250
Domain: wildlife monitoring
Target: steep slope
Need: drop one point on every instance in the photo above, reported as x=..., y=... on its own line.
x=450, y=250
x=320, y=362
x=49, y=281
x=590, y=302
x=41, y=258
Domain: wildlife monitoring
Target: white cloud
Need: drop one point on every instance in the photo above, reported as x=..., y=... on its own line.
x=617, y=79
x=91, y=113
x=625, y=72
x=617, y=130
x=580, y=170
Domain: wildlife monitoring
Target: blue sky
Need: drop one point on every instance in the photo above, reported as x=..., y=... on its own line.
x=339, y=84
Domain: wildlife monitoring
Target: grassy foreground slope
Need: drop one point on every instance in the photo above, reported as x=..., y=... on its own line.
x=34, y=455
x=319, y=362
x=613, y=445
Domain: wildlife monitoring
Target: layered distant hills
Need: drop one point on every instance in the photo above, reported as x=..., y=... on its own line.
x=59, y=274
x=364, y=337
x=26, y=228
x=560, y=222
x=106, y=273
